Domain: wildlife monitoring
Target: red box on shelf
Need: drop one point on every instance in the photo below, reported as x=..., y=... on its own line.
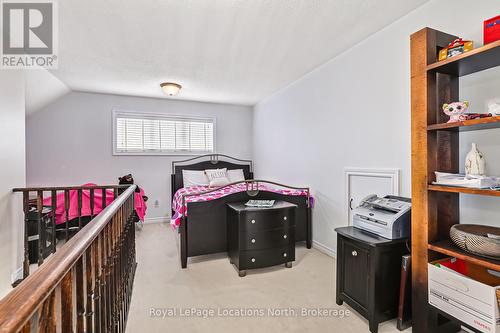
x=492, y=30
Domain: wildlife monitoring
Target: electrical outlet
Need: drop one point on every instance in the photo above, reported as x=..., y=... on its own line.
x=157, y=204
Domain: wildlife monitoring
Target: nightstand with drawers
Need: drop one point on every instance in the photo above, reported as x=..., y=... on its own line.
x=261, y=237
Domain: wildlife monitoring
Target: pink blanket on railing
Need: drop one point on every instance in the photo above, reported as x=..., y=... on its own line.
x=140, y=205
x=181, y=211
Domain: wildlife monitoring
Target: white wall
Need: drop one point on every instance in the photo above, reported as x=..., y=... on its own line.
x=12, y=173
x=354, y=111
x=70, y=142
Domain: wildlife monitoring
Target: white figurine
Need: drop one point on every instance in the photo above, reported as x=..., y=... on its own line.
x=474, y=162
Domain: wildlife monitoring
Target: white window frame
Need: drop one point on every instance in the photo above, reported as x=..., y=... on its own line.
x=119, y=112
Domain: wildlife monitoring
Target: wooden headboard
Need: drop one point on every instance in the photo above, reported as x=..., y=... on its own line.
x=211, y=161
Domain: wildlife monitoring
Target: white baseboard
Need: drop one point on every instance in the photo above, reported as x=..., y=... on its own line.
x=17, y=275
x=325, y=249
x=152, y=220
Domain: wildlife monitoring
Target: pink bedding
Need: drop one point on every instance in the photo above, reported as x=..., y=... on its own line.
x=140, y=205
x=181, y=211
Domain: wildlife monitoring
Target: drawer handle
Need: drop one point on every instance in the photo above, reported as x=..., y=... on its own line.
x=253, y=221
x=253, y=259
x=354, y=253
x=284, y=255
x=253, y=240
x=285, y=236
x=284, y=218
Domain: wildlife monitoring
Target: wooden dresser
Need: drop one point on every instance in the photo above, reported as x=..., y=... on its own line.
x=369, y=273
x=261, y=237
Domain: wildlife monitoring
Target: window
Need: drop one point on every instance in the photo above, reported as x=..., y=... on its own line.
x=151, y=134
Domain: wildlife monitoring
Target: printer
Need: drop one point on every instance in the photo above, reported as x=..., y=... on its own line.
x=388, y=217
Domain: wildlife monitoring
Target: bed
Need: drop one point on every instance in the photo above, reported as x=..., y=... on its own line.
x=200, y=215
x=83, y=207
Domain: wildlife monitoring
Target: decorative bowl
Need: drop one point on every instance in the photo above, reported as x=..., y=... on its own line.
x=474, y=239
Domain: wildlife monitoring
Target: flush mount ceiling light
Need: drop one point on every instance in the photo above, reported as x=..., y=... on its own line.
x=170, y=88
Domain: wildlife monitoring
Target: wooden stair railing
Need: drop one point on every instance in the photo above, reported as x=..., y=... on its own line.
x=34, y=207
x=86, y=286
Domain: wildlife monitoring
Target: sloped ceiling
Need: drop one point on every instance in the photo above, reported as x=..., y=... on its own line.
x=229, y=51
x=42, y=88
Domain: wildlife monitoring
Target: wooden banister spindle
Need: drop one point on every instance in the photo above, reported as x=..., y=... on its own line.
x=26, y=261
x=66, y=210
x=39, y=208
x=92, y=203
x=80, y=297
x=47, y=320
x=113, y=273
x=125, y=268
x=104, y=295
x=53, y=207
x=103, y=280
x=120, y=270
x=97, y=286
x=111, y=276
x=109, y=285
x=106, y=276
x=116, y=274
x=90, y=287
x=80, y=198
x=103, y=198
x=112, y=290
x=67, y=303
x=125, y=262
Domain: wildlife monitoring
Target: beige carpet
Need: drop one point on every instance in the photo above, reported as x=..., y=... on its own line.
x=276, y=296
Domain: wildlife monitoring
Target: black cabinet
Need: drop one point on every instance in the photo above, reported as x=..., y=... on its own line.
x=369, y=273
x=261, y=237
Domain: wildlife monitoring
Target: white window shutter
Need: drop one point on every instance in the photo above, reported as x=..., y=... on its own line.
x=155, y=134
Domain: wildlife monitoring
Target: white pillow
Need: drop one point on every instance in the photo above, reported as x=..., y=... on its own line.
x=194, y=178
x=235, y=175
x=217, y=177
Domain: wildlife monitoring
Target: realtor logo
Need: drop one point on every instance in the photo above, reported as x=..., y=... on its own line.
x=28, y=34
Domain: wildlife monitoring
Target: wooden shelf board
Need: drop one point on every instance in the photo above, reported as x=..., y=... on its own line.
x=484, y=57
x=448, y=248
x=468, y=125
x=466, y=190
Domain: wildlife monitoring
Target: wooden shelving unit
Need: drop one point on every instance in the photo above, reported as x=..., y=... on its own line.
x=468, y=125
x=465, y=190
x=435, y=147
x=446, y=247
x=482, y=58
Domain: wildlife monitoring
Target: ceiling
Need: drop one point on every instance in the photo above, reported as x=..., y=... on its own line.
x=228, y=51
